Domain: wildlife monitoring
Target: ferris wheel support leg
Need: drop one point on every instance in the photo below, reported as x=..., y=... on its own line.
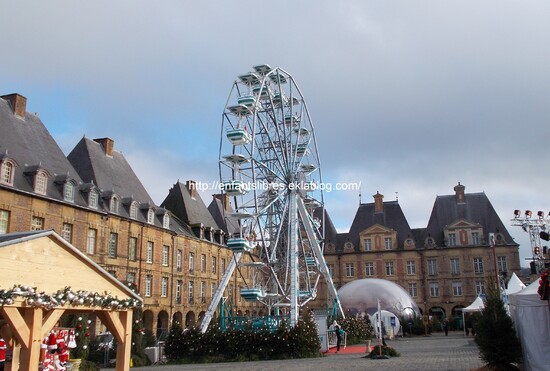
x=219, y=292
x=319, y=254
x=293, y=230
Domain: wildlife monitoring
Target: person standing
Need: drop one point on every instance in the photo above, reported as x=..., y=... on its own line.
x=3, y=348
x=446, y=326
x=338, y=331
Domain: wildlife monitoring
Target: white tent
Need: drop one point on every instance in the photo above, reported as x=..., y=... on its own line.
x=532, y=321
x=476, y=306
x=514, y=285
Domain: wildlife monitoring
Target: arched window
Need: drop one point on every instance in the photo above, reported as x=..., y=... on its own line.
x=133, y=210
x=114, y=204
x=40, y=183
x=68, y=191
x=150, y=216
x=6, y=170
x=93, y=199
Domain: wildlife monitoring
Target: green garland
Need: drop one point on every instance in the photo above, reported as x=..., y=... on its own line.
x=64, y=297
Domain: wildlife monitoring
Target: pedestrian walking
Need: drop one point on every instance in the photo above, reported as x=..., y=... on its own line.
x=446, y=326
x=339, y=333
x=383, y=335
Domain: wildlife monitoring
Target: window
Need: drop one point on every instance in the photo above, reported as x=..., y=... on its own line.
x=179, y=284
x=67, y=232
x=413, y=289
x=457, y=288
x=166, y=221
x=223, y=265
x=148, y=285
x=478, y=265
x=350, y=270
x=179, y=258
x=68, y=191
x=432, y=267
x=480, y=287
x=165, y=255
x=191, y=262
x=190, y=289
x=131, y=277
x=434, y=289
x=90, y=243
x=113, y=245
x=212, y=289
x=149, y=253
x=501, y=263
x=40, y=183
x=203, y=292
x=389, y=268
x=387, y=243
x=203, y=263
x=132, y=247
x=369, y=269
x=164, y=287
x=6, y=175
x=150, y=216
x=411, y=267
x=368, y=244
x=92, y=199
x=37, y=223
x=213, y=264
x=452, y=239
x=114, y=204
x=455, y=266
x=475, y=238
x=331, y=269
x=112, y=273
x=133, y=210
x=4, y=221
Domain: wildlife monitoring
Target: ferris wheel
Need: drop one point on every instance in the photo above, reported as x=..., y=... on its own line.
x=269, y=166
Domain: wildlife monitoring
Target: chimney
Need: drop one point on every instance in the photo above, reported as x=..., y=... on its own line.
x=108, y=145
x=224, y=198
x=192, y=187
x=18, y=103
x=378, y=203
x=459, y=194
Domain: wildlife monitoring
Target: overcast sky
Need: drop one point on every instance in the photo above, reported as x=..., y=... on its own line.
x=405, y=96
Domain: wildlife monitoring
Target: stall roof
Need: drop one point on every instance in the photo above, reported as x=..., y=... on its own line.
x=43, y=259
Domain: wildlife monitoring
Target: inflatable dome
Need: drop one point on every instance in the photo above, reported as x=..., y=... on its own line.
x=361, y=297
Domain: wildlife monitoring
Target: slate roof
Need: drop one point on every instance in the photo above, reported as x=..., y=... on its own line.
x=477, y=209
x=109, y=173
x=188, y=208
x=391, y=217
x=331, y=234
x=228, y=224
x=28, y=142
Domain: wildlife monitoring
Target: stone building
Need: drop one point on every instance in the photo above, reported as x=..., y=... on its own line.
x=173, y=254
x=444, y=266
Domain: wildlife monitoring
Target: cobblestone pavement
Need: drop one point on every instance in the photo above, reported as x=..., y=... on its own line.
x=435, y=352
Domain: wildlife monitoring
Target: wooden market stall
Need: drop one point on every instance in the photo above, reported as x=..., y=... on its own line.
x=41, y=277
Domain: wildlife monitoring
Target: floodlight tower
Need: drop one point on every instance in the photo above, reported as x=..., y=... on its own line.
x=534, y=226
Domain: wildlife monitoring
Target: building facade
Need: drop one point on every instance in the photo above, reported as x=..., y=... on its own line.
x=444, y=267
x=94, y=200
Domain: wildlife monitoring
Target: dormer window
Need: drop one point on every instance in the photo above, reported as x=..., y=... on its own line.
x=133, y=210
x=40, y=182
x=93, y=198
x=68, y=191
x=114, y=204
x=166, y=221
x=150, y=216
x=7, y=168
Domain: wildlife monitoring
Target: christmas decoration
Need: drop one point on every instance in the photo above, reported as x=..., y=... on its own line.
x=64, y=297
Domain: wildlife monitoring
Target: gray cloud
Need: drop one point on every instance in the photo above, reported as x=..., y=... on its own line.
x=405, y=97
